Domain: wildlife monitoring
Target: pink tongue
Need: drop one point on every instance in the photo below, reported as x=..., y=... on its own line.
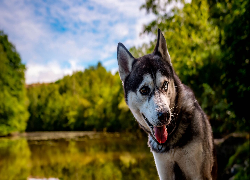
x=161, y=134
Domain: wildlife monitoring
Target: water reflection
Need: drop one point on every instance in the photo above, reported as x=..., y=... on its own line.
x=82, y=158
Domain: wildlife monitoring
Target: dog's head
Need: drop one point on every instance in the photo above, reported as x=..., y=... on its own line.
x=149, y=87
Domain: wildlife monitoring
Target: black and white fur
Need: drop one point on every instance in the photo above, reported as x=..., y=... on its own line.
x=156, y=97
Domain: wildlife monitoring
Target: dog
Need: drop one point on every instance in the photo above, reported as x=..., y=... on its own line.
x=179, y=132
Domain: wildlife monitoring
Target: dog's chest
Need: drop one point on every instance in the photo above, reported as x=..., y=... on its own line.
x=189, y=159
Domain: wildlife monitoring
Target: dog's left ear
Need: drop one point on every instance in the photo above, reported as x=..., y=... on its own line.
x=125, y=61
x=161, y=48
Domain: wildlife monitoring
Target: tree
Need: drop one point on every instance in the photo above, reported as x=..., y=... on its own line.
x=235, y=58
x=13, y=101
x=89, y=100
x=209, y=46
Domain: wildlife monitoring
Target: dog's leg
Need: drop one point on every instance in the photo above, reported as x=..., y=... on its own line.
x=190, y=160
x=164, y=165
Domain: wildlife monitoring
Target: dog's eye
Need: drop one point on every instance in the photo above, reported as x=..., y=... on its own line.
x=165, y=86
x=144, y=90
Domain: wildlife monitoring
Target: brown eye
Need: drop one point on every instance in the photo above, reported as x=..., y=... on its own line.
x=165, y=86
x=144, y=90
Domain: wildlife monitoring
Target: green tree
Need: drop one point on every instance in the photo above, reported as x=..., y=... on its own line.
x=13, y=101
x=209, y=46
x=193, y=46
x=235, y=58
x=89, y=100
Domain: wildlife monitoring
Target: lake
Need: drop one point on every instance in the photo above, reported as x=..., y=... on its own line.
x=76, y=155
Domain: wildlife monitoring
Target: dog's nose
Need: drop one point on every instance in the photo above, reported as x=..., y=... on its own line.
x=163, y=117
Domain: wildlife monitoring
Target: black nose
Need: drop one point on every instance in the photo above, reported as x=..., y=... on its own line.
x=163, y=117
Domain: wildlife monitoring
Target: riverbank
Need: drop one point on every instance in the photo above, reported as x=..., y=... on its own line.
x=55, y=135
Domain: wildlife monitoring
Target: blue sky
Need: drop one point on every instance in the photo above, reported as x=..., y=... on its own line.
x=55, y=38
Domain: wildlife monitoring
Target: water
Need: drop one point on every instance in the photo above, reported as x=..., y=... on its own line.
x=100, y=157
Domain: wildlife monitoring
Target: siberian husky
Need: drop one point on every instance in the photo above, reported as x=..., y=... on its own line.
x=179, y=133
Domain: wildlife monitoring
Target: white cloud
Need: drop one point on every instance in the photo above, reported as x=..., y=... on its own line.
x=49, y=35
x=114, y=70
x=49, y=72
x=120, y=30
x=110, y=62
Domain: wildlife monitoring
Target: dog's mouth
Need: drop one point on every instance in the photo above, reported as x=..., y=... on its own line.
x=159, y=132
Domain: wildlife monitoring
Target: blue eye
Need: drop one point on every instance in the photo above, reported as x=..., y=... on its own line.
x=144, y=90
x=165, y=86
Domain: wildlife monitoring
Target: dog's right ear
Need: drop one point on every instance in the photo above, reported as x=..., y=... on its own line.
x=125, y=61
x=161, y=48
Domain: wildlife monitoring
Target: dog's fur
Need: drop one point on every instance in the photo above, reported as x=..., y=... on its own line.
x=152, y=91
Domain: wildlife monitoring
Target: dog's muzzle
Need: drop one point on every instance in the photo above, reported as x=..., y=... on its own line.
x=161, y=132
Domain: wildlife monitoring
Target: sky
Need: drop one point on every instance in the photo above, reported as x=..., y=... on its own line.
x=56, y=38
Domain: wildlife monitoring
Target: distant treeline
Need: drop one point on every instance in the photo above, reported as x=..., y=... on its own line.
x=89, y=100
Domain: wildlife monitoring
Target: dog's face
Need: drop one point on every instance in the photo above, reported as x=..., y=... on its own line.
x=149, y=87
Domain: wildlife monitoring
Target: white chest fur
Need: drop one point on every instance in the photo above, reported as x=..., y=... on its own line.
x=189, y=159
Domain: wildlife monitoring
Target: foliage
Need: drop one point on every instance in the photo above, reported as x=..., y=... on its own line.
x=242, y=152
x=240, y=161
x=89, y=100
x=209, y=46
x=235, y=58
x=13, y=100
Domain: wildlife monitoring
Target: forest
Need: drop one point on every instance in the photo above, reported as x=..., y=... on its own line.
x=208, y=42
x=89, y=100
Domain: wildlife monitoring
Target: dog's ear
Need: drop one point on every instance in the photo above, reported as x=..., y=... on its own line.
x=125, y=61
x=161, y=47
